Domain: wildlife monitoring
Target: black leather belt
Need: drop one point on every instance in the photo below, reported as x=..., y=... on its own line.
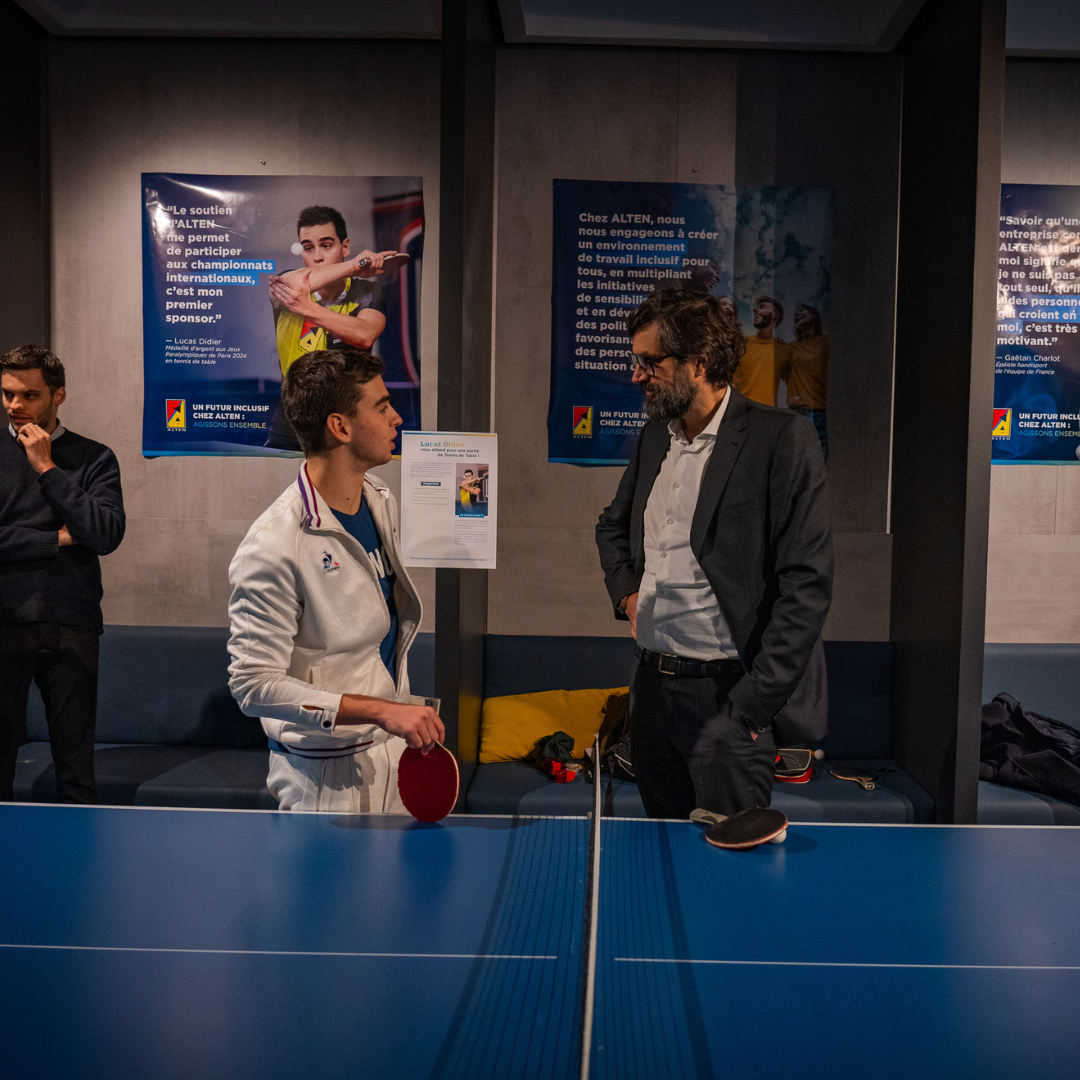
x=670, y=664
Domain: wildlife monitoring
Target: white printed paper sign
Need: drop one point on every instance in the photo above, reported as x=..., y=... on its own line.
x=449, y=499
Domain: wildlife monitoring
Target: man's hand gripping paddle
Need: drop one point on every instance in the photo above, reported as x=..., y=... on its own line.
x=399, y=259
x=746, y=829
x=428, y=783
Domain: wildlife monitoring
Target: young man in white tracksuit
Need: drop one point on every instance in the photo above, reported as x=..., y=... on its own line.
x=322, y=612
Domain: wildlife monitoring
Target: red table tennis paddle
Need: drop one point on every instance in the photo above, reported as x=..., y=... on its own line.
x=428, y=783
x=794, y=766
x=746, y=829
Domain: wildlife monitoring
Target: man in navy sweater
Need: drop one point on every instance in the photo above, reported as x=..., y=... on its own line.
x=61, y=507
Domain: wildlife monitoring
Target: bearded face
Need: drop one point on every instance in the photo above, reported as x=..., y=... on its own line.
x=764, y=316
x=668, y=401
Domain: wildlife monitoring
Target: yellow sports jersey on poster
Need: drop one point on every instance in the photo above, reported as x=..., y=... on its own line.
x=807, y=372
x=758, y=374
x=296, y=336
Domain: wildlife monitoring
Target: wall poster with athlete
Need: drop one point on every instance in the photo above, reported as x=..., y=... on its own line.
x=242, y=275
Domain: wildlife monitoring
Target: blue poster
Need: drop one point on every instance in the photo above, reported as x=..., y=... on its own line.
x=219, y=332
x=1037, y=362
x=615, y=243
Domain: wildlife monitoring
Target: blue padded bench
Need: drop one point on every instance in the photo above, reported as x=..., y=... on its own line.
x=1044, y=679
x=860, y=722
x=168, y=730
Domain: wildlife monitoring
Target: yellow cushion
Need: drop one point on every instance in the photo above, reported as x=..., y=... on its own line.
x=511, y=725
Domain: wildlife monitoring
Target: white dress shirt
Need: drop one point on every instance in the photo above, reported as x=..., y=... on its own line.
x=677, y=610
x=56, y=432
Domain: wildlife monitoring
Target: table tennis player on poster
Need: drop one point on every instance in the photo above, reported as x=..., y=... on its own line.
x=449, y=503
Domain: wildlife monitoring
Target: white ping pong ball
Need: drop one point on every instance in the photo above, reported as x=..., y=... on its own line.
x=1078, y=453
x=819, y=754
x=298, y=248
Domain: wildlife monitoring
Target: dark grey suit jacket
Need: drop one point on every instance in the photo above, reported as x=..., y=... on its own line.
x=761, y=536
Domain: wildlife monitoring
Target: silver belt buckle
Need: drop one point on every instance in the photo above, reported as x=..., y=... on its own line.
x=674, y=669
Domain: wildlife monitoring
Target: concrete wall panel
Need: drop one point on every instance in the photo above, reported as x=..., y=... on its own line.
x=609, y=114
x=587, y=114
x=120, y=108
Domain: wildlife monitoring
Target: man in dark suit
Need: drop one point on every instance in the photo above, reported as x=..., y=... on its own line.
x=717, y=548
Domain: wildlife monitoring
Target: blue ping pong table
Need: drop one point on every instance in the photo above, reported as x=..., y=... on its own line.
x=201, y=944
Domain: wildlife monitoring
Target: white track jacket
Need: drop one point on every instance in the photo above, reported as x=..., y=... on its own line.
x=307, y=618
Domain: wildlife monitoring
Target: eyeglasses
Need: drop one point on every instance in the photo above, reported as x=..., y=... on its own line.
x=648, y=363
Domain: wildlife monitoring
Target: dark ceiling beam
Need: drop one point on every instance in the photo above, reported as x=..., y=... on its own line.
x=592, y=24
x=237, y=18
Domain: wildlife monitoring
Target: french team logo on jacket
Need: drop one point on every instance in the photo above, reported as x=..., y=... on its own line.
x=328, y=563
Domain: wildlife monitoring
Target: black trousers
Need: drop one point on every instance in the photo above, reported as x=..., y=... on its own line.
x=63, y=661
x=689, y=751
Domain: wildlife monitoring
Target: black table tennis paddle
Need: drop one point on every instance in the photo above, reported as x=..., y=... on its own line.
x=746, y=829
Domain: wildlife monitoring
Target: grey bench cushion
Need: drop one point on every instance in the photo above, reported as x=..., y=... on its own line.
x=146, y=775
x=169, y=732
x=119, y=770
x=519, y=787
x=1001, y=805
x=221, y=779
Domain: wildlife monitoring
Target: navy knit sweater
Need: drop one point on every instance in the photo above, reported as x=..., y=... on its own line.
x=40, y=581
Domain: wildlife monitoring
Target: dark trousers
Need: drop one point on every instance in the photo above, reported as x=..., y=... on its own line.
x=817, y=418
x=63, y=661
x=689, y=751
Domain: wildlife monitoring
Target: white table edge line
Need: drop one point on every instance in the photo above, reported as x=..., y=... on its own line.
x=281, y=952
x=847, y=964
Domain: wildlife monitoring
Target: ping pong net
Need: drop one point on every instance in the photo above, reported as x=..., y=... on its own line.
x=592, y=918
x=527, y=1006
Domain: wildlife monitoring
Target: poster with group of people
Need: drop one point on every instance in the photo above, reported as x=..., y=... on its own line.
x=763, y=252
x=1037, y=363
x=242, y=275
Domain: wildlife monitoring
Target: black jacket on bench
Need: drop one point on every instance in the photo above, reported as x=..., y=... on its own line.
x=1025, y=749
x=39, y=580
